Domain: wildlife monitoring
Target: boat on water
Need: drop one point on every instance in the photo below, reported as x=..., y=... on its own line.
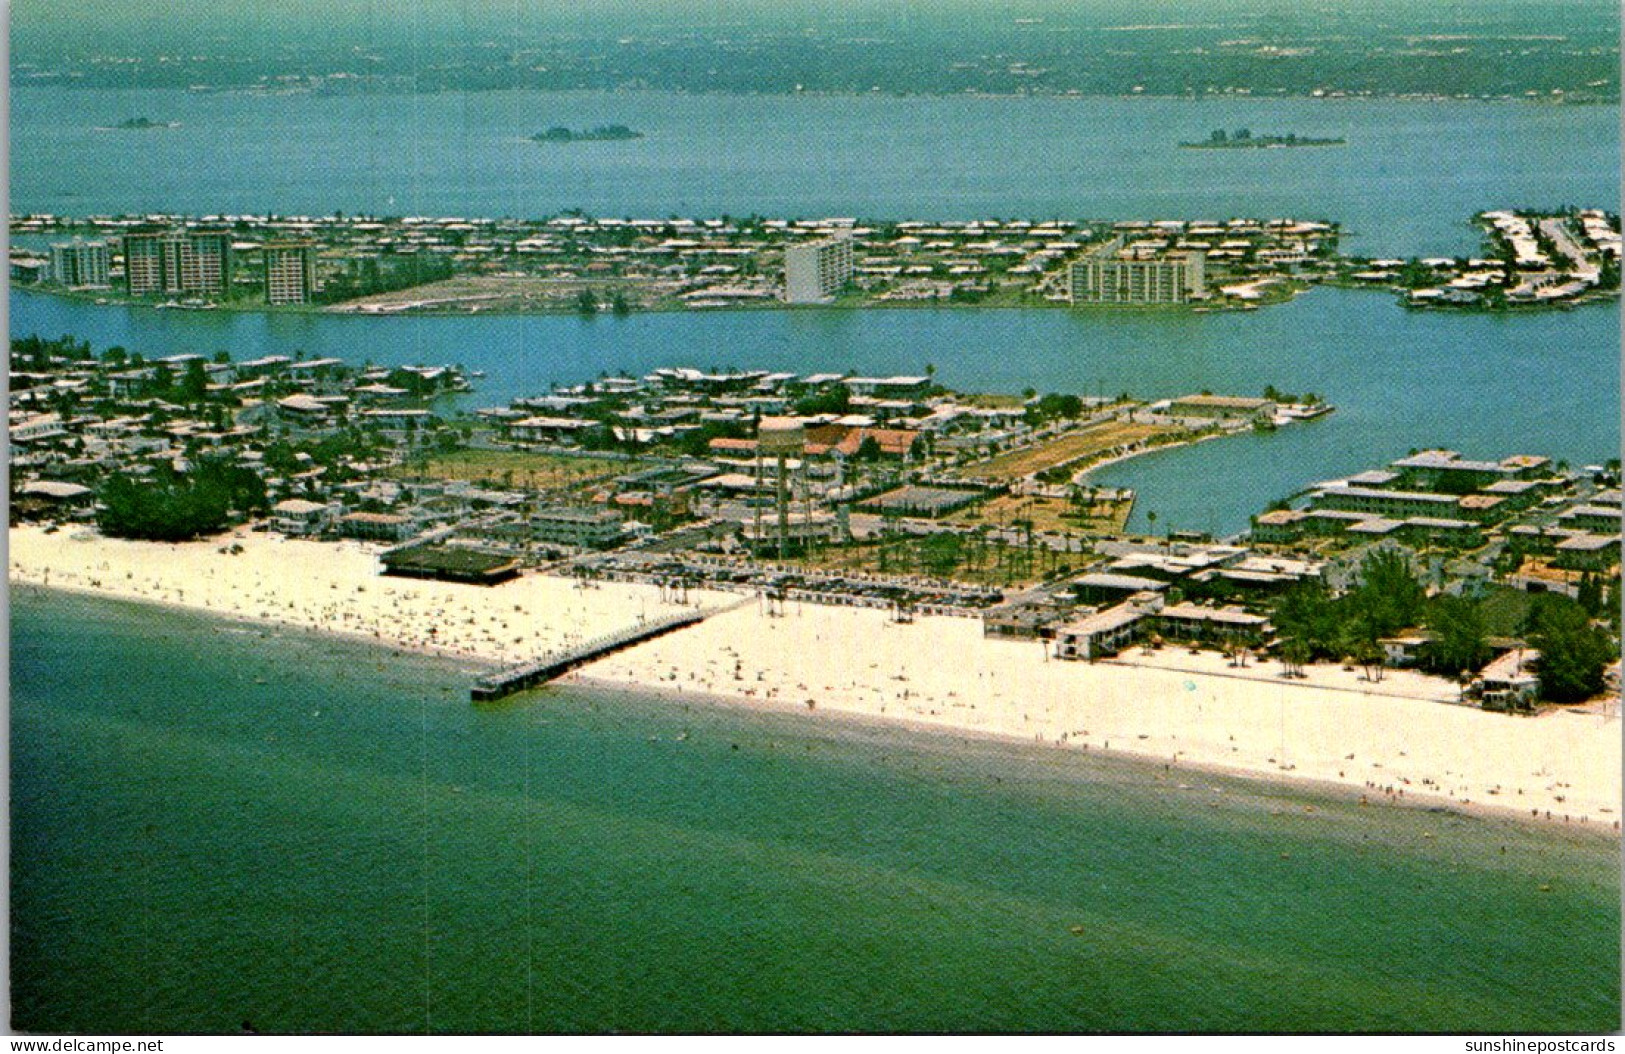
x=1305, y=411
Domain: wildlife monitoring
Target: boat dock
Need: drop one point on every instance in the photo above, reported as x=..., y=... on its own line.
x=557, y=663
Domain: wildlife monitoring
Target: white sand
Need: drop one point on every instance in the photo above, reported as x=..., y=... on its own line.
x=1399, y=735
x=1336, y=727
x=337, y=588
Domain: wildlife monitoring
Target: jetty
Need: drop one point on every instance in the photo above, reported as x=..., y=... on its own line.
x=539, y=671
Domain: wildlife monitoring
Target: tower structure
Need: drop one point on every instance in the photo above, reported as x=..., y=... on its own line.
x=779, y=439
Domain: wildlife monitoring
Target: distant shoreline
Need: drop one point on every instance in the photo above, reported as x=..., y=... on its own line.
x=1059, y=96
x=346, y=310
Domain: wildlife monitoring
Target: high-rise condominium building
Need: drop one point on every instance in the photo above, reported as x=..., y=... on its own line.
x=167, y=262
x=290, y=272
x=80, y=264
x=814, y=272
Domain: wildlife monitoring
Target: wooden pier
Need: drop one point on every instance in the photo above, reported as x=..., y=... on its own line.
x=557, y=663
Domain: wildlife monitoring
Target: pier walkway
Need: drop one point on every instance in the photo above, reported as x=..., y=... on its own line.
x=557, y=663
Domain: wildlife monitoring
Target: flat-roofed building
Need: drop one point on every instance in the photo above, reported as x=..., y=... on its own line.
x=1587, y=552
x=1279, y=525
x=1175, y=279
x=1196, y=622
x=376, y=526
x=1222, y=408
x=580, y=528
x=1028, y=618
x=1103, y=587
x=1100, y=634
x=290, y=272
x=799, y=530
x=296, y=516
x=926, y=502
x=1596, y=518
x=543, y=429
x=206, y=263
x=151, y=262
x=1448, y=470
x=35, y=428
x=178, y=262
x=1441, y=530
x=1509, y=682
x=815, y=271
x=81, y=264
x=1396, y=504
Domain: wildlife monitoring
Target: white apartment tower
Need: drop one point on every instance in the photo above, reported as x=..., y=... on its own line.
x=815, y=271
x=290, y=272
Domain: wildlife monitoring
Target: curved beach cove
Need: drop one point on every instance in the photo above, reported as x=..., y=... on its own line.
x=250, y=827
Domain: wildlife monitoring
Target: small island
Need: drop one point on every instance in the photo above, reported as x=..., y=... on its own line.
x=142, y=124
x=603, y=133
x=1244, y=139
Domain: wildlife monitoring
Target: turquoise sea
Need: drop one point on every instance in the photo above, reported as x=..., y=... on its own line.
x=216, y=827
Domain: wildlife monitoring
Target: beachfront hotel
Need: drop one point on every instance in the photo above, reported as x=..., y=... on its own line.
x=1101, y=279
x=81, y=264
x=814, y=272
x=290, y=272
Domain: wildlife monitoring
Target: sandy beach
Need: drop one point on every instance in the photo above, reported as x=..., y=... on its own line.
x=1401, y=738
x=1393, y=739
x=337, y=588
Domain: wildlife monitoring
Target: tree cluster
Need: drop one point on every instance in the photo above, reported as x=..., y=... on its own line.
x=1315, y=624
x=175, y=506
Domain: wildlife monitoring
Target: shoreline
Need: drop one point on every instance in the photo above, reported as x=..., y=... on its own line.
x=1399, y=740
x=474, y=664
x=352, y=309
x=1067, y=95
x=1141, y=763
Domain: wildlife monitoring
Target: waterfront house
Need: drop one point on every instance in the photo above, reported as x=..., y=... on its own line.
x=1509, y=683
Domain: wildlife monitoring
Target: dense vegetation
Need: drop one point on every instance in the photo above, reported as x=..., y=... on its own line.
x=1315, y=624
x=175, y=506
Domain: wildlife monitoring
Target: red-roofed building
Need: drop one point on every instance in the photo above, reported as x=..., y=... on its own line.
x=726, y=445
x=840, y=439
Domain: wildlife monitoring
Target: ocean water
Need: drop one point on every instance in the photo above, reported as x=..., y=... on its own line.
x=1408, y=182
x=1485, y=385
x=216, y=826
